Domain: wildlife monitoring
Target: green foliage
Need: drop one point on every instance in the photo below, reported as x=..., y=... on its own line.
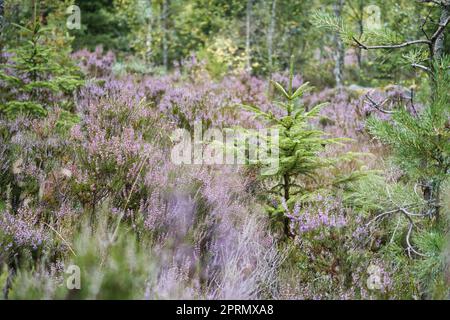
x=102, y=256
x=38, y=75
x=420, y=141
x=104, y=22
x=330, y=22
x=13, y=108
x=379, y=22
x=298, y=142
x=430, y=270
x=374, y=193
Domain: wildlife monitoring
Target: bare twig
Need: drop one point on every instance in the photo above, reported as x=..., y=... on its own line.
x=408, y=216
x=391, y=46
x=408, y=235
x=62, y=238
x=422, y=67
x=413, y=106
x=395, y=230
x=381, y=215
x=408, y=242
x=378, y=106
x=429, y=1
x=440, y=29
x=424, y=23
x=400, y=209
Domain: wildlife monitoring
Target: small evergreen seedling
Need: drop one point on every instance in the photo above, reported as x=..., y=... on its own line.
x=36, y=79
x=299, y=146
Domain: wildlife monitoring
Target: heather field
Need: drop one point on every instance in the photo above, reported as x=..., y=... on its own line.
x=208, y=149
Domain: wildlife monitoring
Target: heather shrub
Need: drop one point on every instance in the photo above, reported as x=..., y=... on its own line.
x=333, y=254
x=211, y=102
x=111, y=146
x=223, y=255
x=100, y=260
x=21, y=233
x=30, y=176
x=358, y=207
x=201, y=231
x=95, y=64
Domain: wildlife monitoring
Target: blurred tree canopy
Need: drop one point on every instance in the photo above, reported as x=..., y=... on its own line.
x=256, y=34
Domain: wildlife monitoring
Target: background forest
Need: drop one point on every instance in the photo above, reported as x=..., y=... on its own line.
x=91, y=92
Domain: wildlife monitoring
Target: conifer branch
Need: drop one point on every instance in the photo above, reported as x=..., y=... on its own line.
x=391, y=46
x=441, y=29
x=422, y=67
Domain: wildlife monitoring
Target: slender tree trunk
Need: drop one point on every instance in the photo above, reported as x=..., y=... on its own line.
x=149, y=37
x=2, y=13
x=286, y=221
x=361, y=31
x=270, y=35
x=2, y=19
x=339, y=55
x=438, y=52
x=431, y=190
x=438, y=48
x=247, y=35
x=164, y=13
x=34, y=10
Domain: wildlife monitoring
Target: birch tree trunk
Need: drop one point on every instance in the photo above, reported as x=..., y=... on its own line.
x=247, y=36
x=270, y=36
x=149, y=36
x=164, y=13
x=339, y=54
